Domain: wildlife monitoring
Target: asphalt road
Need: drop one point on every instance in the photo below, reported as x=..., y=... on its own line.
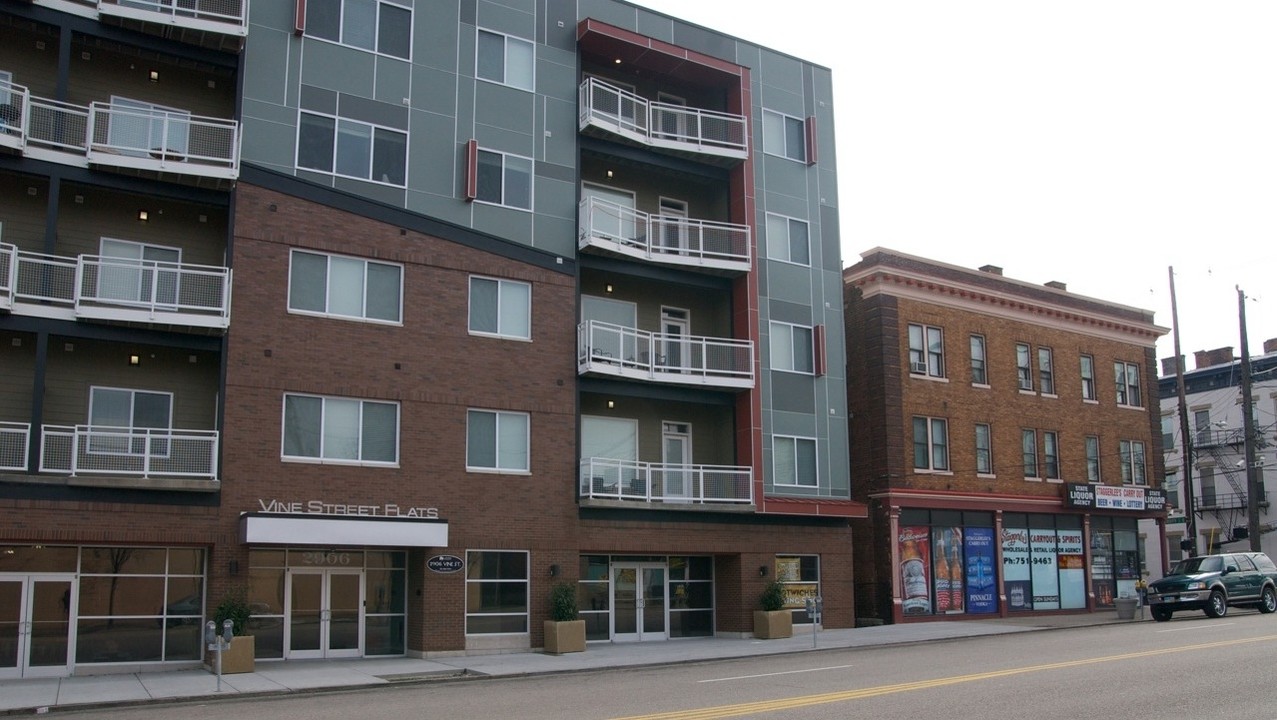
x=1191, y=667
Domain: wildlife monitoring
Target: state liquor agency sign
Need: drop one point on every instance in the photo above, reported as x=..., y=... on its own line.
x=1113, y=497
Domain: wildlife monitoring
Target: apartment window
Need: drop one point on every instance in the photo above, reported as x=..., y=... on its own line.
x=1170, y=483
x=983, y=449
x=1051, y=454
x=1088, y=378
x=1092, y=459
x=787, y=240
x=503, y=179
x=1127, y=376
x=1132, y=458
x=1029, y=450
x=1206, y=487
x=505, y=59
x=1201, y=427
x=979, y=365
x=1168, y=432
x=120, y=421
x=794, y=461
x=497, y=441
x=791, y=348
x=930, y=444
x=332, y=429
x=496, y=592
x=926, y=350
x=382, y=27
x=350, y=148
x=1046, y=375
x=1023, y=370
x=784, y=136
x=344, y=287
x=500, y=307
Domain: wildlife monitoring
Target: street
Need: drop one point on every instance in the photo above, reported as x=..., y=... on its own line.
x=1192, y=666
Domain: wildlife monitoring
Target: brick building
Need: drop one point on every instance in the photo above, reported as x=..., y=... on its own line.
x=393, y=314
x=1004, y=436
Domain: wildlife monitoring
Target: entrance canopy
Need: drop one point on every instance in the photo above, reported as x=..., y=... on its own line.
x=329, y=530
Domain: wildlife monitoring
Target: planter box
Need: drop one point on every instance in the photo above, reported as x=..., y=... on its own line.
x=564, y=636
x=773, y=624
x=238, y=658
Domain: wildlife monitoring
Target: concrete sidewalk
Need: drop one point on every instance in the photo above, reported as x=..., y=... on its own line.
x=43, y=694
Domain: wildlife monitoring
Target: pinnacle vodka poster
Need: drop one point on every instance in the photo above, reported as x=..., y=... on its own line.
x=981, y=582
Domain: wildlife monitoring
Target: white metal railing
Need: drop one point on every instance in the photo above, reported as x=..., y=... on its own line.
x=44, y=279
x=663, y=124
x=14, y=100
x=56, y=125
x=170, y=137
x=14, y=438
x=685, y=359
x=135, y=452
x=664, y=238
x=8, y=274
x=228, y=16
x=611, y=479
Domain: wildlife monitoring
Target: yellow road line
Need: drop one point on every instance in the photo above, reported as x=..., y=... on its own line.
x=727, y=711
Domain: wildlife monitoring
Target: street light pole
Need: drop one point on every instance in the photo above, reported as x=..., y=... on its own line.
x=1186, y=439
x=1248, y=428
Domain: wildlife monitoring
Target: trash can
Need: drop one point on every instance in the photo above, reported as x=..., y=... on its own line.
x=1126, y=607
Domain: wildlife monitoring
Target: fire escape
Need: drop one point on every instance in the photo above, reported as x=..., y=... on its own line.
x=1226, y=447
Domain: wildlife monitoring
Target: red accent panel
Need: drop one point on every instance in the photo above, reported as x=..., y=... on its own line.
x=472, y=169
x=811, y=139
x=299, y=21
x=818, y=349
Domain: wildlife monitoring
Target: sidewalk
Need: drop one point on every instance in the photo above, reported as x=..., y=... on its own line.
x=42, y=694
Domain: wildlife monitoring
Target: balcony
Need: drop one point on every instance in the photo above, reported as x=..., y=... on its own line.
x=625, y=352
x=703, y=134
x=162, y=144
x=208, y=23
x=92, y=287
x=641, y=482
x=13, y=445
x=612, y=229
x=129, y=452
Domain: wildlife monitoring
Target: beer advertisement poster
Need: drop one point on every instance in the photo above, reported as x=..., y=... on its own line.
x=915, y=569
x=981, y=584
x=1015, y=568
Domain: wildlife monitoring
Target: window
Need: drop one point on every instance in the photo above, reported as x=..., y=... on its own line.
x=1023, y=370
x=500, y=307
x=1206, y=486
x=141, y=129
x=350, y=148
x=503, y=179
x=1092, y=459
x=1168, y=432
x=1029, y=444
x=983, y=449
x=1127, y=376
x=1170, y=483
x=505, y=59
x=1132, y=454
x=791, y=348
x=1051, y=454
x=926, y=350
x=330, y=429
x=1046, y=377
x=135, y=272
x=784, y=136
x=800, y=574
x=1201, y=427
x=120, y=420
x=1088, y=378
x=366, y=24
x=930, y=444
x=794, y=460
x=496, y=592
x=787, y=240
x=979, y=366
x=496, y=441
x=344, y=287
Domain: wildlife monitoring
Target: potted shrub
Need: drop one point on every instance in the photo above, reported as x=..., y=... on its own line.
x=564, y=631
x=773, y=620
x=238, y=658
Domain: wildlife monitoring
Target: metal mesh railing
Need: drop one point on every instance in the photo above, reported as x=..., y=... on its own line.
x=45, y=279
x=234, y=12
x=693, y=128
x=153, y=286
x=57, y=125
x=13, y=113
x=8, y=273
x=664, y=238
x=163, y=135
x=658, y=356
x=612, y=479
x=13, y=445
x=137, y=452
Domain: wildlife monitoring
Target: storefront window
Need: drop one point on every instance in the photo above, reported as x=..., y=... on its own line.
x=947, y=562
x=496, y=592
x=592, y=596
x=800, y=574
x=691, y=596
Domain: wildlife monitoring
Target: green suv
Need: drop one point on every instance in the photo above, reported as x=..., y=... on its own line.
x=1214, y=582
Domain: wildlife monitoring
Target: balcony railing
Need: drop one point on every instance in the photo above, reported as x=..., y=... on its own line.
x=14, y=100
x=610, y=479
x=228, y=17
x=663, y=125
x=609, y=349
x=133, y=452
x=14, y=438
x=119, y=289
x=666, y=239
x=8, y=274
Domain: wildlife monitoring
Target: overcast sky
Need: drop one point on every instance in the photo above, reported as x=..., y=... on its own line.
x=1097, y=143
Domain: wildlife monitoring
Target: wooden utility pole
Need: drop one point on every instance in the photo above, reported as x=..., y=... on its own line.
x=1248, y=427
x=1190, y=515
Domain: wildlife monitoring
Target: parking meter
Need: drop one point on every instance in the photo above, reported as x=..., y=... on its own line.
x=228, y=631
x=210, y=634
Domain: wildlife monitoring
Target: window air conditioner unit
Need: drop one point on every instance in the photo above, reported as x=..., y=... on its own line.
x=918, y=367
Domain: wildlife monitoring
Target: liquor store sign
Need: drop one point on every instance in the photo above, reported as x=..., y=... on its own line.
x=1112, y=497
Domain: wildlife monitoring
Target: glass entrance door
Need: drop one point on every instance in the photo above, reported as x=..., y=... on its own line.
x=640, y=610
x=325, y=614
x=35, y=625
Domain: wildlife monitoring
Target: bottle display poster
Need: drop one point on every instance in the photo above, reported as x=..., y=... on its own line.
x=1015, y=568
x=915, y=564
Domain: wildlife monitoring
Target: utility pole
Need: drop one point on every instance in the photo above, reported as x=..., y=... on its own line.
x=1190, y=515
x=1248, y=427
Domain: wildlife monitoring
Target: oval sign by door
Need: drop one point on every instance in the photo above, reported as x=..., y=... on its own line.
x=445, y=563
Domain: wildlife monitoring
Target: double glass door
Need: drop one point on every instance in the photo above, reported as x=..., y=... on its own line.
x=325, y=613
x=35, y=625
x=640, y=610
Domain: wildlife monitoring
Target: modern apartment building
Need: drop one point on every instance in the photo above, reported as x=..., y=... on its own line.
x=396, y=313
x=1003, y=437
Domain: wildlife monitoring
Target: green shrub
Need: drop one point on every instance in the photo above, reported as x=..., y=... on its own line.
x=234, y=607
x=773, y=597
x=563, y=602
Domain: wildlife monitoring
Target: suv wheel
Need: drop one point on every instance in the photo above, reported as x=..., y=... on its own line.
x=1268, y=600
x=1217, y=605
x=1161, y=614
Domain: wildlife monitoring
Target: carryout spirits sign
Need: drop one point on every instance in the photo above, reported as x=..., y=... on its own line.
x=323, y=507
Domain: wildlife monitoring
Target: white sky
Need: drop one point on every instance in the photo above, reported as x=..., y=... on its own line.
x=1094, y=142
